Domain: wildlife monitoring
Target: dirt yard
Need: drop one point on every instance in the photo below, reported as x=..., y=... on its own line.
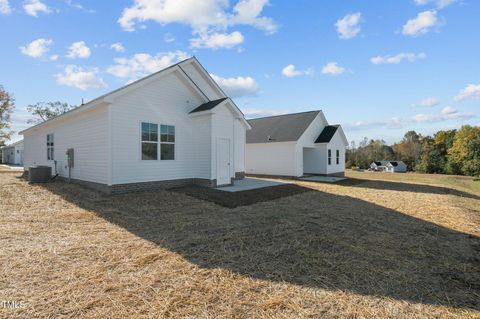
x=363, y=248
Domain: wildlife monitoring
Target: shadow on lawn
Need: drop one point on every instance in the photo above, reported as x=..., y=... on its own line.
x=404, y=187
x=313, y=239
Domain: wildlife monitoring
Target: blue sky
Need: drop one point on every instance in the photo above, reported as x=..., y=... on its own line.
x=379, y=68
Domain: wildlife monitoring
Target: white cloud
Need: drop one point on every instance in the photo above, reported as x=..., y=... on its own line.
x=290, y=71
x=33, y=7
x=143, y=64
x=78, y=6
x=395, y=59
x=118, y=47
x=470, y=92
x=439, y=3
x=199, y=15
x=430, y=102
x=54, y=57
x=248, y=12
x=78, y=50
x=217, y=40
x=348, y=26
x=448, y=110
x=332, y=68
x=80, y=78
x=237, y=86
x=421, y=24
x=37, y=48
x=5, y=7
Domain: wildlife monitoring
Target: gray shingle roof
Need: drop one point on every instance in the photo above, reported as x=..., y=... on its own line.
x=327, y=134
x=281, y=128
x=208, y=105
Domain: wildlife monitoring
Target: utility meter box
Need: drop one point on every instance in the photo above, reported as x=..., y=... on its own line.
x=70, y=158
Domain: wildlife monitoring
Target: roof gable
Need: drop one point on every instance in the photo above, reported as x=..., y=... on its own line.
x=281, y=128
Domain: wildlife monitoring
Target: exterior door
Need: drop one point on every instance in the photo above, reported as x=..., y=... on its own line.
x=223, y=161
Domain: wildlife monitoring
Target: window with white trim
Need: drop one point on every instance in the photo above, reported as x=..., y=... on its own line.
x=149, y=141
x=329, y=157
x=50, y=147
x=167, y=142
x=338, y=157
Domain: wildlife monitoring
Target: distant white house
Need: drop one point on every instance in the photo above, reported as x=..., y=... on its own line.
x=396, y=167
x=295, y=145
x=171, y=128
x=13, y=153
x=378, y=165
x=389, y=166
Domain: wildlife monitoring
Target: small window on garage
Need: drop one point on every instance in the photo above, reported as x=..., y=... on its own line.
x=149, y=141
x=338, y=157
x=329, y=157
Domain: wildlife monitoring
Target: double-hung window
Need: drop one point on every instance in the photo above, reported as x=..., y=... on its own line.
x=50, y=147
x=338, y=157
x=149, y=141
x=152, y=146
x=329, y=157
x=167, y=142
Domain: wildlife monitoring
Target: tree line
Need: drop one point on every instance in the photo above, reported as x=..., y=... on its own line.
x=446, y=152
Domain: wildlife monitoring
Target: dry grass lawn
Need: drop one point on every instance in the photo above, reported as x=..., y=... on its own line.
x=365, y=248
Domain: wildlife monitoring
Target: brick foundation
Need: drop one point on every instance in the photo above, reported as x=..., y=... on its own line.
x=239, y=175
x=143, y=186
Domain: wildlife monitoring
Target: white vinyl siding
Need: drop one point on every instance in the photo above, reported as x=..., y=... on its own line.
x=167, y=101
x=271, y=159
x=86, y=133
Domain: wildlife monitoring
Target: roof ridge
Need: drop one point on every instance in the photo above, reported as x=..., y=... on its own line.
x=271, y=116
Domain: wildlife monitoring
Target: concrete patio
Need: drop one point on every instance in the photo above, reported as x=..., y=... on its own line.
x=250, y=183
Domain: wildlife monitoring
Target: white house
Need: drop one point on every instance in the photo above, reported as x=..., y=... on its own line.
x=13, y=153
x=378, y=165
x=396, y=167
x=174, y=127
x=295, y=145
x=389, y=166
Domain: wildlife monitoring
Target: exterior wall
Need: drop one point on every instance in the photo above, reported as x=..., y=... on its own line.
x=164, y=101
x=7, y=155
x=12, y=154
x=223, y=126
x=86, y=133
x=336, y=143
x=278, y=158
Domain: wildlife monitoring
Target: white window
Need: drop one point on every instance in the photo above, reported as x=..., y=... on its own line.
x=329, y=157
x=50, y=147
x=167, y=142
x=338, y=157
x=149, y=141
x=152, y=146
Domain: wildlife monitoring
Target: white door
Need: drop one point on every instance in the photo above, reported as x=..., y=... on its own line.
x=223, y=161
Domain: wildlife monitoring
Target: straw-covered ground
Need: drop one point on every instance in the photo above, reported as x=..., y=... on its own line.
x=364, y=248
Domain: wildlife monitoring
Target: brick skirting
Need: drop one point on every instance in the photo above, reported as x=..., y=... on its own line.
x=143, y=186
